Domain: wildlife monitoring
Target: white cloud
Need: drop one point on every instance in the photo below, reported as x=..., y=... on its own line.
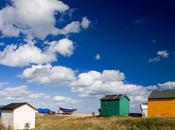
x=97, y=84
x=46, y=74
x=98, y=56
x=14, y=55
x=38, y=99
x=29, y=53
x=35, y=18
x=163, y=53
x=85, y=22
x=38, y=95
x=65, y=101
x=20, y=93
x=91, y=84
x=94, y=83
x=167, y=85
x=112, y=75
x=154, y=59
x=64, y=47
x=75, y=26
x=160, y=54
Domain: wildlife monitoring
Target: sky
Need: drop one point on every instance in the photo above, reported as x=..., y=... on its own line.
x=71, y=53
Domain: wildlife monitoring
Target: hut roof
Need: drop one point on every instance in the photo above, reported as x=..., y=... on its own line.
x=113, y=97
x=162, y=94
x=13, y=106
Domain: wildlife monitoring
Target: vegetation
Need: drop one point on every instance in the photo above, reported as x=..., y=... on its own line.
x=56, y=122
x=100, y=123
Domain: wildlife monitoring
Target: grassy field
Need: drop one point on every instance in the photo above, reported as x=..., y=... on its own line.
x=99, y=123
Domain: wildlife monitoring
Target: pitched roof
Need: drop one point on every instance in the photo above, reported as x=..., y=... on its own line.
x=13, y=106
x=113, y=97
x=162, y=94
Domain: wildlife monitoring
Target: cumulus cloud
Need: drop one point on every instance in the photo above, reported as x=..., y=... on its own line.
x=65, y=101
x=14, y=55
x=46, y=74
x=167, y=85
x=75, y=26
x=163, y=53
x=92, y=83
x=38, y=99
x=20, y=93
x=89, y=84
x=34, y=18
x=95, y=83
x=29, y=53
x=85, y=22
x=64, y=47
x=160, y=54
x=98, y=56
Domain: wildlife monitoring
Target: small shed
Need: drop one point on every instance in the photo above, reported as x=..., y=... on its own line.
x=144, y=109
x=161, y=103
x=114, y=105
x=18, y=116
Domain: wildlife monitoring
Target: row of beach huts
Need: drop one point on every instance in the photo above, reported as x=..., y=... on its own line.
x=160, y=103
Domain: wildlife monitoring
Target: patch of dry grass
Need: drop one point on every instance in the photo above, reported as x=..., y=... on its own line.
x=101, y=123
x=80, y=122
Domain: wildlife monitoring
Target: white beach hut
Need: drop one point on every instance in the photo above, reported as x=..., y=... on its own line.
x=18, y=116
x=144, y=109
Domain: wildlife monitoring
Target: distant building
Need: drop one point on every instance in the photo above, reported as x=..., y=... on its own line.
x=114, y=105
x=161, y=103
x=18, y=116
x=144, y=109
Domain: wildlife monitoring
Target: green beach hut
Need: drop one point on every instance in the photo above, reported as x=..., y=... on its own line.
x=114, y=105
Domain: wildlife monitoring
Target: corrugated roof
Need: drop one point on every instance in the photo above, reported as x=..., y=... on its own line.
x=162, y=94
x=13, y=106
x=113, y=97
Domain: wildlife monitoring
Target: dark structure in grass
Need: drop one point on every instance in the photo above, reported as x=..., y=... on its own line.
x=114, y=105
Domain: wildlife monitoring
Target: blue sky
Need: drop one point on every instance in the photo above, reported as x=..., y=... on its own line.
x=71, y=53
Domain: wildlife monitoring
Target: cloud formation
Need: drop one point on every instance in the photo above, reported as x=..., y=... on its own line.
x=38, y=99
x=160, y=54
x=65, y=101
x=75, y=26
x=167, y=85
x=34, y=18
x=46, y=74
x=89, y=84
x=92, y=83
x=29, y=53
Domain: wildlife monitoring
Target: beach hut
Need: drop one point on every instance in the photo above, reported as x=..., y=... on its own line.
x=161, y=103
x=144, y=109
x=114, y=105
x=18, y=116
